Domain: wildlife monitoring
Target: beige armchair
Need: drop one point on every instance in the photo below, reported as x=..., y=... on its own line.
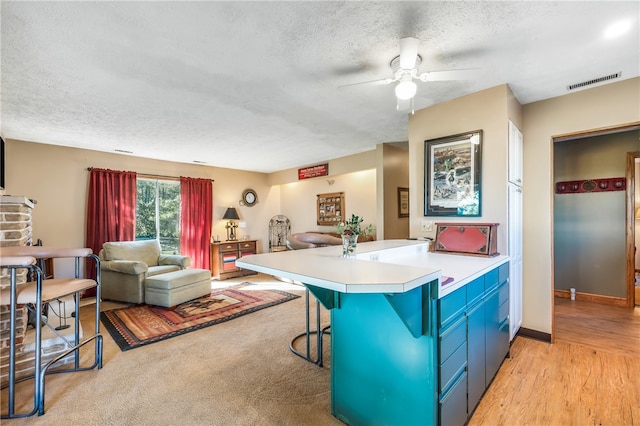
x=125, y=265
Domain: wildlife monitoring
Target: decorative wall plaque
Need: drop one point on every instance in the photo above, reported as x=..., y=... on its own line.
x=591, y=185
x=330, y=208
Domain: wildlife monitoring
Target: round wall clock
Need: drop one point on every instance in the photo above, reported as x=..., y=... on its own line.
x=249, y=197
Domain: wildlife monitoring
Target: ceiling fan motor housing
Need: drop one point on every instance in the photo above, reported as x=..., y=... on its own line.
x=399, y=72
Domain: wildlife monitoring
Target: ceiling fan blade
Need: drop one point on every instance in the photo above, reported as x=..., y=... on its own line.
x=408, y=52
x=370, y=82
x=466, y=74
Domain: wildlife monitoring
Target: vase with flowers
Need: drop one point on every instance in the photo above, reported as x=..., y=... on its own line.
x=349, y=230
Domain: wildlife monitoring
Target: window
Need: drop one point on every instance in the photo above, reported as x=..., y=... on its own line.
x=158, y=213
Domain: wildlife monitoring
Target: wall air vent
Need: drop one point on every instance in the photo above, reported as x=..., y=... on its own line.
x=594, y=81
x=123, y=151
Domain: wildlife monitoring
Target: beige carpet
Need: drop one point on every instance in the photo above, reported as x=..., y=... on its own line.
x=237, y=373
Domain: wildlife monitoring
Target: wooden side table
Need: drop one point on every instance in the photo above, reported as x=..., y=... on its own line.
x=224, y=255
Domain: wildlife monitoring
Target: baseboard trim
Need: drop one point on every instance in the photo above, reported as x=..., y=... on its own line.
x=596, y=298
x=534, y=334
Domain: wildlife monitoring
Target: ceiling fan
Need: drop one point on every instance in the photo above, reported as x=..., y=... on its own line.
x=405, y=71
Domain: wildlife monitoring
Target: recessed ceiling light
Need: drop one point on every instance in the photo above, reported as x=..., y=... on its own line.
x=617, y=29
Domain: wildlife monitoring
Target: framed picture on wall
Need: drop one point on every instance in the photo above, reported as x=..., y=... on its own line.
x=403, y=202
x=452, y=175
x=330, y=208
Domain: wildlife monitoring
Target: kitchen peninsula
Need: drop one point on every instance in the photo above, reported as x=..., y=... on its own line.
x=416, y=337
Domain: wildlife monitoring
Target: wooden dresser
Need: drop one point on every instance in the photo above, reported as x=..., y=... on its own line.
x=224, y=255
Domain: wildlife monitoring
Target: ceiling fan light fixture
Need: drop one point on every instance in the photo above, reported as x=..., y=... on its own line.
x=406, y=90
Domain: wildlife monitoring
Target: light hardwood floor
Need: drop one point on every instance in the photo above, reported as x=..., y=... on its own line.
x=589, y=376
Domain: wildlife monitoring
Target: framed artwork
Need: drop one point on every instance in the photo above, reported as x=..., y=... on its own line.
x=403, y=202
x=330, y=208
x=452, y=175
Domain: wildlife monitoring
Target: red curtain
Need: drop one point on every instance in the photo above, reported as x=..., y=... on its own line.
x=111, y=209
x=196, y=198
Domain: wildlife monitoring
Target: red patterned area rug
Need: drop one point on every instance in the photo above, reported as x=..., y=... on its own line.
x=140, y=325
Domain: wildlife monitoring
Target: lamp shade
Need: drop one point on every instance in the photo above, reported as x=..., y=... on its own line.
x=231, y=213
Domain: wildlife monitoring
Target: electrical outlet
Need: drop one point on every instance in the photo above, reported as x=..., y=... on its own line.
x=426, y=226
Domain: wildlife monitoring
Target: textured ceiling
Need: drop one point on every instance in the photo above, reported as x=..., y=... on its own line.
x=256, y=85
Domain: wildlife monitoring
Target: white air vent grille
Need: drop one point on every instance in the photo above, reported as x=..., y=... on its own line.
x=594, y=81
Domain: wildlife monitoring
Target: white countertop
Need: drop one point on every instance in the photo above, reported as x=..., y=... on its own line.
x=387, y=266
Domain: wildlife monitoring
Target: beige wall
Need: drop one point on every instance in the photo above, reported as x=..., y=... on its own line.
x=395, y=174
x=298, y=199
x=337, y=166
x=57, y=178
x=486, y=110
x=600, y=107
x=355, y=175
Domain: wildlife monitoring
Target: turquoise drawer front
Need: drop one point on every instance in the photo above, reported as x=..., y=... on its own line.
x=504, y=293
x=475, y=290
x=452, y=367
x=503, y=272
x=504, y=311
x=453, y=406
x=451, y=339
x=451, y=306
x=491, y=279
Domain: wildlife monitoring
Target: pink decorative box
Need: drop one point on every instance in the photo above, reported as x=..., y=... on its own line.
x=478, y=239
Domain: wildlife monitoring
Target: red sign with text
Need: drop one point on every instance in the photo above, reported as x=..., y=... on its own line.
x=313, y=171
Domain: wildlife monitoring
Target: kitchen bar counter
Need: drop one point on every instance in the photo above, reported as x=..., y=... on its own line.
x=414, y=335
x=387, y=266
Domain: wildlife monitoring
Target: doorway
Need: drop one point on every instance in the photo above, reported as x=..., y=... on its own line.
x=594, y=232
x=633, y=234
x=395, y=181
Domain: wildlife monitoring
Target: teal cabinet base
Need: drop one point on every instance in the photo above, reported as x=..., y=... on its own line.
x=413, y=359
x=380, y=372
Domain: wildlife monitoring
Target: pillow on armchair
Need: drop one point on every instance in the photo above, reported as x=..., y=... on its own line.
x=147, y=252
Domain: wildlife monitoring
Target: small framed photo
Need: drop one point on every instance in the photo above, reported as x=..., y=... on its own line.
x=403, y=202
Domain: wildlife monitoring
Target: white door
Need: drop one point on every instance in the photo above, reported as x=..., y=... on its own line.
x=515, y=228
x=515, y=253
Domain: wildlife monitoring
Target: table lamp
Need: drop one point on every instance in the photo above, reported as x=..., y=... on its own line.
x=231, y=215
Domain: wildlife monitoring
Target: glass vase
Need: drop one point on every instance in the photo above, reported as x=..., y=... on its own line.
x=349, y=245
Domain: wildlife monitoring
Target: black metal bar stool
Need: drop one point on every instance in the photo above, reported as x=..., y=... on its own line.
x=319, y=332
x=36, y=293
